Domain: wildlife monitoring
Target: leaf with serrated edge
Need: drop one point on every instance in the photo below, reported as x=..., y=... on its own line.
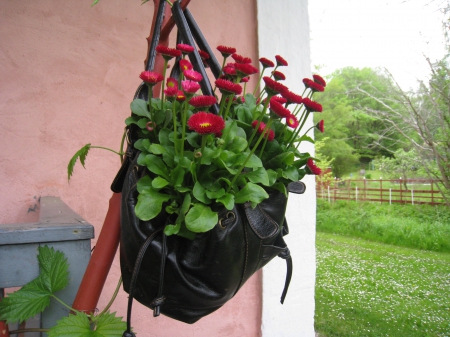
x=27, y=302
x=109, y=325
x=81, y=153
x=73, y=326
x=54, y=269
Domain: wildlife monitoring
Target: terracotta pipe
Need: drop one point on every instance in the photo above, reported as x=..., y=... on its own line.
x=101, y=260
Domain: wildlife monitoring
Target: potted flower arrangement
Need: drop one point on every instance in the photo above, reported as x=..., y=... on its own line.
x=197, y=160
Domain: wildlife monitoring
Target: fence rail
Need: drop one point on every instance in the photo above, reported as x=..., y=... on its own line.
x=410, y=191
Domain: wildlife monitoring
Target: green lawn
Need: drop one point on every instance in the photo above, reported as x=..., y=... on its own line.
x=367, y=288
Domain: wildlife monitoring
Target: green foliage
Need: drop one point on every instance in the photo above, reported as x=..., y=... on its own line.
x=81, y=153
x=371, y=289
x=415, y=226
x=35, y=296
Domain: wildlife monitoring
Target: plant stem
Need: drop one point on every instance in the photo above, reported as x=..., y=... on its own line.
x=64, y=304
x=183, y=131
x=15, y=332
x=174, y=126
x=121, y=153
x=259, y=81
x=107, y=148
x=230, y=101
x=163, y=84
x=266, y=104
x=113, y=297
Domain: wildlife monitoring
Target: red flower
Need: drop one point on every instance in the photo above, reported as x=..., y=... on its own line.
x=228, y=87
x=241, y=59
x=171, y=83
x=312, y=167
x=291, y=97
x=206, y=123
x=292, y=121
x=278, y=75
x=171, y=92
x=280, y=61
x=190, y=87
x=149, y=126
x=319, y=79
x=315, y=87
x=181, y=97
x=203, y=54
x=245, y=69
x=320, y=126
x=273, y=87
x=245, y=79
x=226, y=51
x=185, y=65
x=279, y=109
x=266, y=63
x=229, y=69
x=311, y=105
x=193, y=75
x=185, y=48
x=202, y=101
x=167, y=52
x=279, y=99
x=269, y=134
x=150, y=77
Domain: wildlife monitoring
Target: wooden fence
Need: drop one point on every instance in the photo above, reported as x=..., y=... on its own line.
x=411, y=191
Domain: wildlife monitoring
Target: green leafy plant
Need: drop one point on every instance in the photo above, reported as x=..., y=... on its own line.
x=35, y=296
x=198, y=162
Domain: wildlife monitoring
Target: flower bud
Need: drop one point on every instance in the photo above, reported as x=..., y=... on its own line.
x=197, y=154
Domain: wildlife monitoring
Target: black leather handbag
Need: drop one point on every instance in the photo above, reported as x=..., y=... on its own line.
x=189, y=279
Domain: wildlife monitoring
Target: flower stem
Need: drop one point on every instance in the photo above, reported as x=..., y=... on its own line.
x=107, y=148
x=259, y=81
x=174, y=118
x=230, y=101
x=121, y=145
x=266, y=103
x=163, y=84
x=113, y=297
x=183, y=134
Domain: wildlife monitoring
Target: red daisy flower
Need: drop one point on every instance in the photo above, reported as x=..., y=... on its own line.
x=206, y=123
x=185, y=48
x=278, y=75
x=320, y=126
x=313, y=167
x=273, y=87
x=202, y=101
x=291, y=97
x=171, y=93
x=229, y=69
x=311, y=105
x=190, y=87
x=245, y=69
x=280, y=61
x=245, y=79
x=315, y=87
x=193, y=75
x=171, y=83
x=269, y=134
x=226, y=51
x=279, y=109
x=319, y=79
x=149, y=126
x=241, y=59
x=292, y=121
x=266, y=63
x=151, y=77
x=167, y=52
x=228, y=87
x=203, y=54
x=185, y=65
x=181, y=97
x=279, y=99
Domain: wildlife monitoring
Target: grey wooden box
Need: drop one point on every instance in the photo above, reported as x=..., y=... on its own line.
x=58, y=227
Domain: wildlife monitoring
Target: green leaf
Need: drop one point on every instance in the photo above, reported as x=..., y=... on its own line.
x=139, y=107
x=163, y=137
x=157, y=149
x=159, y=183
x=253, y=162
x=272, y=177
x=305, y=138
x=54, y=271
x=215, y=194
x=251, y=192
x=280, y=187
x=227, y=200
x=177, y=175
x=258, y=176
x=277, y=161
x=156, y=165
x=149, y=204
x=27, y=302
x=291, y=173
x=145, y=183
x=81, y=153
x=172, y=229
x=73, y=326
x=200, y=193
x=96, y=2
x=237, y=145
x=201, y=219
x=109, y=325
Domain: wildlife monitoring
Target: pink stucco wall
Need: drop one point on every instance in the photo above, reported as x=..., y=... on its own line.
x=68, y=74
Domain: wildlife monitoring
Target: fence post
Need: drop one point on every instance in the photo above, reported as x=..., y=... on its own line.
x=432, y=192
x=381, y=190
x=328, y=194
x=412, y=196
x=390, y=196
x=356, y=193
x=401, y=191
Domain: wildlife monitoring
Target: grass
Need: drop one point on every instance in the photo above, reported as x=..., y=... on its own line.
x=416, y=226
x=372, y=289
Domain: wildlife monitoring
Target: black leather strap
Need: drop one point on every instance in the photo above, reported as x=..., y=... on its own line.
x=286, y=254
